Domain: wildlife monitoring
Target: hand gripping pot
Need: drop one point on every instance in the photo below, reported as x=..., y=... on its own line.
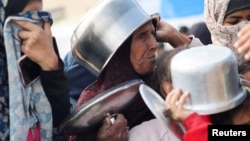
x=104, y=28
x=211, y=76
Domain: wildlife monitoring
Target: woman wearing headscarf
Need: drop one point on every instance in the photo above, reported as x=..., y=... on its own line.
x=29, y=112
x=120, y=69
x=224, y=19
x=133, y=59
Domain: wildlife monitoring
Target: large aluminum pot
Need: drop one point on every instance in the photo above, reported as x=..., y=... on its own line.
x=211, y=76
x=104, y=28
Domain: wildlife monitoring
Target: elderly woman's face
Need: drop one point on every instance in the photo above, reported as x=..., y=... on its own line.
x=143, y=49
x=237, y=17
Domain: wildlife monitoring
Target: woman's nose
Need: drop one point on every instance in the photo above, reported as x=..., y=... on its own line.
x=152, y=42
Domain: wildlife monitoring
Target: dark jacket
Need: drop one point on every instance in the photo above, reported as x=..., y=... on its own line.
x=78, y=75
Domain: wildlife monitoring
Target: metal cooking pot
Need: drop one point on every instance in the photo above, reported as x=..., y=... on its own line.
x=104, y=28
x=211, y=76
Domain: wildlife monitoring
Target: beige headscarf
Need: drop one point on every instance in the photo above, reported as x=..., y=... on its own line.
x=214, y=13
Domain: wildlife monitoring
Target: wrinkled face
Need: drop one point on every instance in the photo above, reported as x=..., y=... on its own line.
x=143, y=49
x=34, y=5
x=237, y=17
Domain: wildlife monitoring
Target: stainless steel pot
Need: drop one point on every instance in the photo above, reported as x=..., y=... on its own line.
x=104, y=28
x=211, y=76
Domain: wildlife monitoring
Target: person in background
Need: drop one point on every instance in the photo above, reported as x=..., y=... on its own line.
x=184, y=30
x=228, y=23
x=32, y=112
x=200, y=31
x=243, y=67
x=161, y=48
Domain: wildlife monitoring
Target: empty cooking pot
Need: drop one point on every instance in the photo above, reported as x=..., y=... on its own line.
x=211, y=76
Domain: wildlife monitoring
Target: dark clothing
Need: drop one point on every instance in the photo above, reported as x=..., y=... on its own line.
x=14, y=6
x=118, y=70
x=200, y=31
x=58, y=98
x=56, y=89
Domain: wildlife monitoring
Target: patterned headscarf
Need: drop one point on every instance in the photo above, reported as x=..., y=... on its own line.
x=21, y=107
x=214, y=14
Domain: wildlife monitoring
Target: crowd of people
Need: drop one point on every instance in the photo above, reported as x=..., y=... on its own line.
x=35, y=111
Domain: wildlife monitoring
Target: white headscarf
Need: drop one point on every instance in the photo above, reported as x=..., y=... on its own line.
x=214, y=14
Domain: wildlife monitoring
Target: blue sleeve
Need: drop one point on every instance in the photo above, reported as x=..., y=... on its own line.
x=79, y=77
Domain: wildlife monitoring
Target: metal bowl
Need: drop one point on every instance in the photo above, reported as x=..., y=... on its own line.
x=211, y=76
x=104, y=28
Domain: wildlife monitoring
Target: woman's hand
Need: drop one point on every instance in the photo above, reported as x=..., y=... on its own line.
x=243, y=43
x=117, y=131
x=37, y=44
x=175, y=102
x=167, y=33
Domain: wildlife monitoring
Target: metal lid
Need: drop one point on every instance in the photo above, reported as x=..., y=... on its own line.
x=157, y=106
x=91, y=114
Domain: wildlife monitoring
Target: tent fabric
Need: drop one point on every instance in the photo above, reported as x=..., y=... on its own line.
x=181, y=8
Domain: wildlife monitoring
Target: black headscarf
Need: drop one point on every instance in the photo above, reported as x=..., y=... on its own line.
x=235, y=5
x=15, y=6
